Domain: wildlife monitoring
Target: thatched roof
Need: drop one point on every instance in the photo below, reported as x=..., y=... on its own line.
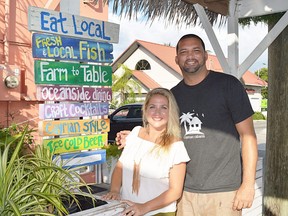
x=180, y=12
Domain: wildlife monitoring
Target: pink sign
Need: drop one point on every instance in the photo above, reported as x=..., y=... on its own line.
x=73, y=93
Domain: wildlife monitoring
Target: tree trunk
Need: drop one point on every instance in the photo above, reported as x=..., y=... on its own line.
x=276, y=160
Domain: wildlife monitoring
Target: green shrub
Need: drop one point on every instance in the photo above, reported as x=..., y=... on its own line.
x=12, y=135
x=33, y=184
x=112, y=151
x=258, y=116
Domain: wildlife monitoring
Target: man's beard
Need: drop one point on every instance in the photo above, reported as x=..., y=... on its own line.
x=193, y=69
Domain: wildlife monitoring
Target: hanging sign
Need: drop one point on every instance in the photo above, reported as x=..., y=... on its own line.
x=74, y=49
x=55, y=22
x=67, y=73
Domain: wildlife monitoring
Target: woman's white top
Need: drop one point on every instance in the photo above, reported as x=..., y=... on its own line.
x=154, y=169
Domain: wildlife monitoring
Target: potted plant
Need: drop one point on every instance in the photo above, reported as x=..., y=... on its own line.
x=33, y=184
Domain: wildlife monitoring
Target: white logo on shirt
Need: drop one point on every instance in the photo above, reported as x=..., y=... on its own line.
x=192, y=125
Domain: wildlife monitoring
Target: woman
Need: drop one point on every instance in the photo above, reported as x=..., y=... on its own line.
x=150, y=173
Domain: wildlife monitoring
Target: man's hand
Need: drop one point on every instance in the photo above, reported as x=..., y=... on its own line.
x=244, y=197
x=121, y=138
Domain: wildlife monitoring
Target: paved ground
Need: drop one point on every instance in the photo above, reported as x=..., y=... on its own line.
x=260, y=129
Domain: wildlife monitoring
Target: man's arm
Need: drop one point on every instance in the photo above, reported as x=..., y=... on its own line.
x=245, y=194
x=121, y=138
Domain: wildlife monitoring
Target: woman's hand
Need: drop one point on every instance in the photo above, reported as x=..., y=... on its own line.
x=135, y=209
x=111, y=196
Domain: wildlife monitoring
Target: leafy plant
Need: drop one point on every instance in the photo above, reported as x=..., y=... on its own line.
x=125, y=88
x=258, y=116
x=112, y=151
x=9, y=134
x=33, y=184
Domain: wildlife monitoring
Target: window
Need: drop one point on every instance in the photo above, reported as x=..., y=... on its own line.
x=143, y=65
x=121, y=114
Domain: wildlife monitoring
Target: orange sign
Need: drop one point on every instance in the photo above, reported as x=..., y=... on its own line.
x=73, y=127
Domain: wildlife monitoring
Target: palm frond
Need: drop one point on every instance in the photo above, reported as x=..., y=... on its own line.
x=173, y=11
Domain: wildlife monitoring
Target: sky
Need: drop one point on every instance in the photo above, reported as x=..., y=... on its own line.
x=157, y=32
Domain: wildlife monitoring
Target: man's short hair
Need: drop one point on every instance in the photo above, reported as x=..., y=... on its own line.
x=190, y=36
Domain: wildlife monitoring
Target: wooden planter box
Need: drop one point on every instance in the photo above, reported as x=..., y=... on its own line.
x=112, y=208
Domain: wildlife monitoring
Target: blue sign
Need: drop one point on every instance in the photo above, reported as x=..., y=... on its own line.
x=77, y=159
x=73, y=49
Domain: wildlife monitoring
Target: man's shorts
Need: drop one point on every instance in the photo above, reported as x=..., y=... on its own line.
x=211, y=204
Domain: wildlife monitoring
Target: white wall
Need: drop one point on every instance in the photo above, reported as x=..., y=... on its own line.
x=159, y=72
x=255, y=98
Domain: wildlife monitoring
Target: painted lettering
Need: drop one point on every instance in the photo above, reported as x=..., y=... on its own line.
x=90, y=28
x=72, y=144
x=64, y=73
x=48, y=41
x=73, y=127
x=50, y=74
x=66, y=110
x=56, y=93
x=49, y=21
x=90, y=53
x=63, y=48
x=94, y=75
x=52, y=23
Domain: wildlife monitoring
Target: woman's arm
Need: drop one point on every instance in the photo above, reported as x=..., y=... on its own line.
x=116, y=183
x=176, y=181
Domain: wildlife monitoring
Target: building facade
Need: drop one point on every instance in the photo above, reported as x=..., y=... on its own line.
x=18, y=102
x=154, y=65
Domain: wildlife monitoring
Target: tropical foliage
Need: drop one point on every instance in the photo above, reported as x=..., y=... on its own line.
x=173, y=11
x=33, y=184
x=8, y=135
x=258, y=116
x=125, y=88
x=112, y=150
x=263, y=74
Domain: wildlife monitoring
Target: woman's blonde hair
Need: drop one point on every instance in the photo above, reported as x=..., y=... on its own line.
x=172, y=132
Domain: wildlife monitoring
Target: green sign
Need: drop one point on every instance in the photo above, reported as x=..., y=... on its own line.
x=64, y=73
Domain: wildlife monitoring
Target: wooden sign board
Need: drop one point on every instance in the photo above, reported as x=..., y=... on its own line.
x=75, y=143
x=67, y=73
x=72, y=110
x=73, y=93
x=77, y=159
x=73, y=49
x=55, y=22
x=73, y=127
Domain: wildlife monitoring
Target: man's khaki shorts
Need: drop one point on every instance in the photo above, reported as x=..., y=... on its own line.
x=211, y=204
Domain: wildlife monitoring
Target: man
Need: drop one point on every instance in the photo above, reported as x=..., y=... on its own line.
x=215, y=112
x=215, y=116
